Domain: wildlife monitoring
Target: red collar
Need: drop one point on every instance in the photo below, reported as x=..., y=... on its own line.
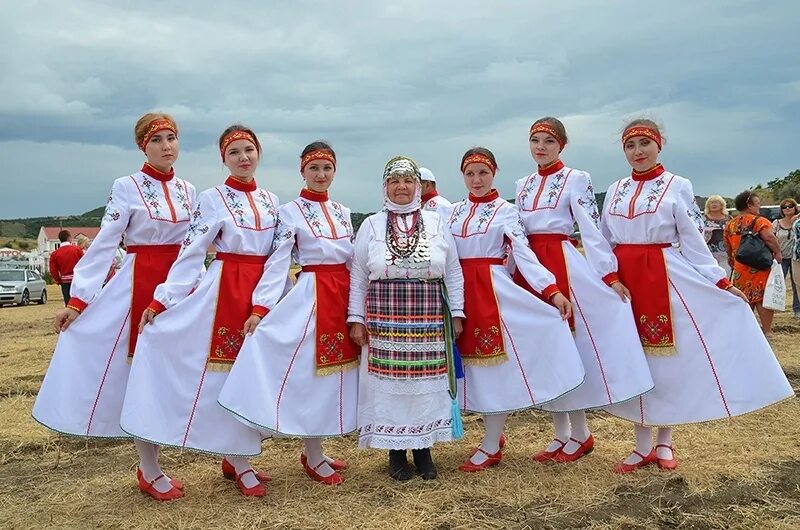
x=650, y=174
x=151, y=171
x=489, y=197
x=315, y=196
x=428, y=196
x=548, y=170
x=238, y=185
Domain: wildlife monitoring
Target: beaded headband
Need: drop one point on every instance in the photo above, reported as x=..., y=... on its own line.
x=401, y=165
x=638, y=130
x=317, y=154
x=232, y=137
x=549, y=129
x=156, y=126
x=478, y=158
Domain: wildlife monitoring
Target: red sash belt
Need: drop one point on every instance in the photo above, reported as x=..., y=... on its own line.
x=643, y=270
x=238, y=279
x=550, y=253
x=335, y=352
x=150, y=268
x=481, y=342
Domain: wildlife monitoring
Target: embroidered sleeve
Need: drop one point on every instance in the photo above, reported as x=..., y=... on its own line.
x=271, y=286
x=535, y=274
x=453, y=276
x=690, y=235
x=584, y=210
x=92, y=270
x=187, y=270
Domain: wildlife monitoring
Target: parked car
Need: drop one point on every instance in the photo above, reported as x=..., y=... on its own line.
x=18, y=286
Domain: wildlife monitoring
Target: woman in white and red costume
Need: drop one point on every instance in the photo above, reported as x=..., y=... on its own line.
x=83, y=390
x=550, y=202
x=295, y=374
x=194, y=326
x=517, y=350
x=707, y=355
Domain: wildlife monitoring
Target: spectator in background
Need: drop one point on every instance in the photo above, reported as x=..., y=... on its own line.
x=63, y=261
x=784, y=231
x=745, y=278
x=83, y=242
x=715, y=218
x=796, y=259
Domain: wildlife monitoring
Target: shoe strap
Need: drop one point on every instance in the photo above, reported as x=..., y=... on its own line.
x=243, y=473
x=156, y=480
x=667, y=446
x=581, y=443
x=479, y=449
x=315, y=468
x=643, y=457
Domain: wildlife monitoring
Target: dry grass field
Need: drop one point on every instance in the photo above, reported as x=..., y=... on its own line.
x=743, y=473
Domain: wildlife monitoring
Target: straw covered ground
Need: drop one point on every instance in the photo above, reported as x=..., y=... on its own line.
x=743, y=473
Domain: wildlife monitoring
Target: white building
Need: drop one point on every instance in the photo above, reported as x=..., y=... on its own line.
x=48, y=241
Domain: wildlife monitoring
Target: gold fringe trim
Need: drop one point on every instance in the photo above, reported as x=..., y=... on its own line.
x=660, y=351
x=485, y=361
x=335, y=369
x=219, y=366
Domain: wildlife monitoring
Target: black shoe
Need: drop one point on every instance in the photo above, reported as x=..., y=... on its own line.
x=424, y=463
x=398, y=465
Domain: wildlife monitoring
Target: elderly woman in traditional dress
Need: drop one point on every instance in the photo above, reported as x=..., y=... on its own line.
x=406, y=293
x=194, y=326
x=83, y=390
x=295, y=375
x=707, y=357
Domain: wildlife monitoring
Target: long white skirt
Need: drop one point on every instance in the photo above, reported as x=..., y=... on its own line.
x=607, y=339
x=84, y=386
x=723, y=367
x=543, y=363
x=402, y=414
x=172, y=391
x=273, y=384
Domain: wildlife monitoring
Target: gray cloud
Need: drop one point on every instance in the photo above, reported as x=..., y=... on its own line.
x=429, y=79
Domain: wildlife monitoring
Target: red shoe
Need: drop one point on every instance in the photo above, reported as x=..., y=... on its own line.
x=666, y=465
x=585, y=447
x=622, y=467
x=336, y=465
x=502, y=443
x=147, y=487
x=229, y=472
x=175, y=482
x=544, y=456
x=331, y=480
x=256, y=491
x=491, y=460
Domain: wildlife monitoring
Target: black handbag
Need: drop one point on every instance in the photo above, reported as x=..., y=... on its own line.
x=752, y=251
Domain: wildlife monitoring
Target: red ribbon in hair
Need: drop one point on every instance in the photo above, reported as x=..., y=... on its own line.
x=232, y=137
x=478, y=158
x=639, y=130
x=156, y=126
x=318, y=154
x=549, y=129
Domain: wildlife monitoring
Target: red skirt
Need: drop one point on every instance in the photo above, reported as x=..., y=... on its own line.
x=150, y=268
x=643, y=270
x=550, y=253
x=238, y=279
x=481, y=342
x=336, y=352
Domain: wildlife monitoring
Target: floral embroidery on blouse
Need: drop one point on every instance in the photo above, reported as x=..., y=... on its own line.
x=234, y=204
x=457, y=211
x=485, y=215
x=554, y=189
x=655, y=192
x=183, y=197
x=588, y=202
x=197, y=226
x=517, y=230
x=338, y=213
x=526, y=190
x=111, y=213
x=283, y=232
x=266, y=202
x=312, y=217
x=697, y=216
x=619, y=195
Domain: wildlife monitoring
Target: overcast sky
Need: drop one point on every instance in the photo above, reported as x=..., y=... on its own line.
x=424, y=78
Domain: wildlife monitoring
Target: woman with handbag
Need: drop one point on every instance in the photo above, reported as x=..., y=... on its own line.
x=706, y=354
x=752, y=246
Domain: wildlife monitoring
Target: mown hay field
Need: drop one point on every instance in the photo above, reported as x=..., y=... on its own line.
x=743, y=473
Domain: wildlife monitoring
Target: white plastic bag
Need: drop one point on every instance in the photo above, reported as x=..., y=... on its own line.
x=775, y=290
